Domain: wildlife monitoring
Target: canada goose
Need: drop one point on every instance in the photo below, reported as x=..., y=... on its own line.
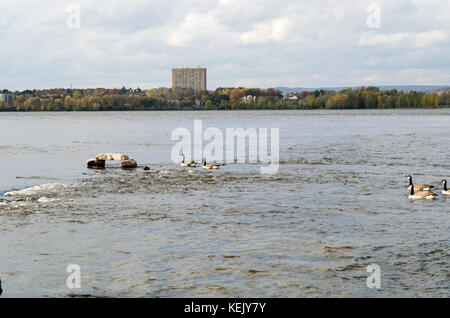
x=445, y=190
x=187, y=164
x=419, y=187
x=209, y=166
x=421, y=195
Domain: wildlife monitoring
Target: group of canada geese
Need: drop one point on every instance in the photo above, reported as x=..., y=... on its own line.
x=416, y=191
x=423, y=191
x=193, y=164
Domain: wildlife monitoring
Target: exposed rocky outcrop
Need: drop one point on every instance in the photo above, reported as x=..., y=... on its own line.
x=129, y=164
x=112, y=157
x=96, y=164
x=99, y=161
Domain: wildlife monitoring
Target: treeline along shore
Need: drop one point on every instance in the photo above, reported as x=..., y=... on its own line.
x=124, y=99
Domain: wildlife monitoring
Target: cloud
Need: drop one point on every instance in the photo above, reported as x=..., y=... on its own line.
x=226, y=2
x=430, y=38
x=241, y=42
x=276, y=30
x=376, y=39
x=195, y=28
x=418, y=40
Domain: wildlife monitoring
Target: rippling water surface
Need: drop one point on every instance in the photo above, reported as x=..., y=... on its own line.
x=338, y=204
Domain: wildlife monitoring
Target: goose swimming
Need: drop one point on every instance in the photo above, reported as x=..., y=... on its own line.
x=421, y=195
x=445, y=189
x=419, y=187
x=187, y=164
x=209, y=166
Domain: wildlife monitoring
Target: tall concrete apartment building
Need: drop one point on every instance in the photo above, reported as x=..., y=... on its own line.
x=189, y=77
x=7, y=98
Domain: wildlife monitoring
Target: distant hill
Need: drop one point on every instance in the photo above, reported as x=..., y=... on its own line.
x=406, y=88
x=444, y=89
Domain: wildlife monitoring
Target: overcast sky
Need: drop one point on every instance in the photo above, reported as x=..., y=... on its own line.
x=251, y=43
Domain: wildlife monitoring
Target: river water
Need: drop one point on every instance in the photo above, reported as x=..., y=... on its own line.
x=337, y=205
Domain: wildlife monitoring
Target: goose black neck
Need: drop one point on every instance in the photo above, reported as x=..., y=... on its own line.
x=410, y=181
x=412, y=189
x=445, y=185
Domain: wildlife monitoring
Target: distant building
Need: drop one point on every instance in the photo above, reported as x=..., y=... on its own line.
x=291, y=96
x=248, y=99
x=189, y=77
x=7, y=98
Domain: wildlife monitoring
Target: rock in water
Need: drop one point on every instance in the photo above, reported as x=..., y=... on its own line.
x=146, y=168
x=99, y=161
x=112, y=157
x=129, y=164
x=96, y=164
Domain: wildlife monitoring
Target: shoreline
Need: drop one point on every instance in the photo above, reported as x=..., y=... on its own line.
x=221, y=110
